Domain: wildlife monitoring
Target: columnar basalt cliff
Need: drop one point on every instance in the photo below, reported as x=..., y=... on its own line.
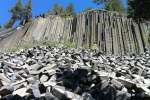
x=113, y=33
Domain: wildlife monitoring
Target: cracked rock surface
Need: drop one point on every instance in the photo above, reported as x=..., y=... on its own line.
x=61, y=73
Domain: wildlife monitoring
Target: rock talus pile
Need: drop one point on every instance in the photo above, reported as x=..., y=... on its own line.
x=61, y=73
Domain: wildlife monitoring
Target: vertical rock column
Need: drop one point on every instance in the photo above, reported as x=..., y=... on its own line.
x=28, y=36
x=121, y=50
x=124, y=35
x=113, y=33
x=143, y=34
x=138, y=37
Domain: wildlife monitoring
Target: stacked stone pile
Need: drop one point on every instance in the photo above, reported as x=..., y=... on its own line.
x=61, y=73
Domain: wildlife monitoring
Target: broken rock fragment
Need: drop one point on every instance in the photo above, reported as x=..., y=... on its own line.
x=5, y=90
x=61, y=73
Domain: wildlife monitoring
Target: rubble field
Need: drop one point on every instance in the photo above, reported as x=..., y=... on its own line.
x=62, y=73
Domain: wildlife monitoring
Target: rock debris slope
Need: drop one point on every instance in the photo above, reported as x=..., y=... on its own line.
x=61, y=73
x=112, y=32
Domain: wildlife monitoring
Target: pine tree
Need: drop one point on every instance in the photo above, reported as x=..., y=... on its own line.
x=101, y=2
x=61, y=9
x=115, y=5
x=87, y=8
x=17, y=12
x=8, y=24
x=139, y=10
x=70, y=10
x=109, y=6
x=27, y=13
x=49, y=11
x=58, y=9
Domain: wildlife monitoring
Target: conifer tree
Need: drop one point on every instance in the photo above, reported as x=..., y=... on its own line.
x=109, y=6
x=101, y=2
x=58, y=9
x=61, y=9
x=8, y=24
x=70, y=10
x=49, y=11
x=17, y=12
x=27, y=13
x=87, y=8
x=115, y=5
x=139, y=10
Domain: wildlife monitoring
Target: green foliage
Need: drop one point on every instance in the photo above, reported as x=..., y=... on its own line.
x=49, y=11
x=58, y=9
x=101, y=2
x=14, y=49
x=20, y=13
x=8, y=24
x=60, y=45
x=20, y=46
x=115, y=5
x=68, y=17
x=149, y=33
x=90, y=10
x=70, y=10
x=49, y=43
x=27, y=11
x=29, y=46
x=95, y=47
x=87, y=8
x=17, y=12
x=109, y=7
x=66, y=43
x=69, y=44
x=65, y=15
x=86, y=46
x=139, y=10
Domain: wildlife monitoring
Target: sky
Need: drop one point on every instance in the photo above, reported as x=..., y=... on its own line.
x=41, y=6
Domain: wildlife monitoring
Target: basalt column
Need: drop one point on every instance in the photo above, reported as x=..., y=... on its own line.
x=113, y=33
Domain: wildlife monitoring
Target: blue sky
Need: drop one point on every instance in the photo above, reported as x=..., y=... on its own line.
x=41, y=6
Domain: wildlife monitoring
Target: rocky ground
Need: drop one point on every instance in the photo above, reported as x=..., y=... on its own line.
x=61, y=73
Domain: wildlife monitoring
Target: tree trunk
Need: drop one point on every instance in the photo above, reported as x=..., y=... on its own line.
x=12, y=24
x=24, y=21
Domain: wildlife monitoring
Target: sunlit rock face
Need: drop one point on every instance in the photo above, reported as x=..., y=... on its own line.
x=113, y=33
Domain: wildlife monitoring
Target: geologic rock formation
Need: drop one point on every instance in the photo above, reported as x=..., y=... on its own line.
x=112, y=32
x=61, y=73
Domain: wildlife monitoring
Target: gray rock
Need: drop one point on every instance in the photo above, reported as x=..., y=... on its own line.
x=49, y=96
x=117, y=84
x=8, y=89
x=60, y=94
x=102, y=85
x=87, y=96
x=127, y=84
x=36, y=93
x=91, y=78
x=43, y=78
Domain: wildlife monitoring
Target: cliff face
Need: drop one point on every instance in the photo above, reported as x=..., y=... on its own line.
x=113, y=33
